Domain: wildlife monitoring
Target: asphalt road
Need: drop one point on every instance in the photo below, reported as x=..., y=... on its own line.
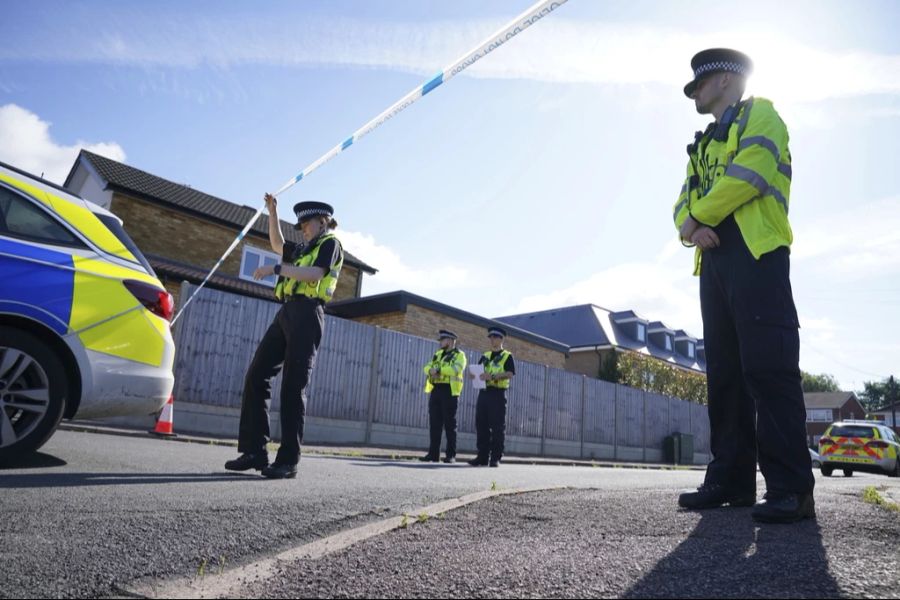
x=611, y=544
x=95, y=512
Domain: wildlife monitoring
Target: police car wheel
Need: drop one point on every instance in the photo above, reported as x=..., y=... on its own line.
x=33, y=386
x=848, y=473
x=896, y=471
x=827, y=471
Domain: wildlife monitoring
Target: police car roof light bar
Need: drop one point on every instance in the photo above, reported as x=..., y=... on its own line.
x=494, y=41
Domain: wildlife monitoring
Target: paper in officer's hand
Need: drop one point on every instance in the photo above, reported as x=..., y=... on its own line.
x=477, y=370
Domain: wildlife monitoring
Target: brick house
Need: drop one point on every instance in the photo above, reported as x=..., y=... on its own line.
x=183, y=231
x=593, y=334
x=408, y=313
x=825, y=408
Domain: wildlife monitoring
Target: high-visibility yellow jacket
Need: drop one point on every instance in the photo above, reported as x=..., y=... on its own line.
x=451, y=364
x=746, y=173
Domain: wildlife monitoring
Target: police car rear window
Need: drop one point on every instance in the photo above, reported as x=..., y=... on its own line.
x=113, y=225
x=852, y=431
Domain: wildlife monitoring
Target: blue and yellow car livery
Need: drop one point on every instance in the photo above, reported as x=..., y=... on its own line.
x=71, y=277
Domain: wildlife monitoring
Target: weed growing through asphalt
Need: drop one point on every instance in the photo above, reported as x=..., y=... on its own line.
x=422, y=517
x=201, y=570
x=494, y=486
x=404, y=522
x=221, y=564
x=873, y=496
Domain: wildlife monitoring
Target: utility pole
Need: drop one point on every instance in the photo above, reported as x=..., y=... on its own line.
x=892, y=397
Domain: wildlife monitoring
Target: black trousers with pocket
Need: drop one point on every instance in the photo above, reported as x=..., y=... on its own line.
x=490, y=423
x=442, y=407
x=750, y=329
x=289, y=345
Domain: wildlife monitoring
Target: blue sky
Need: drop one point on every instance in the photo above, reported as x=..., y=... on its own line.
x=543, y=176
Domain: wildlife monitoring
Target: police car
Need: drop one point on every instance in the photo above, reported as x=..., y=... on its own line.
x=84, y=322
x=865, y=446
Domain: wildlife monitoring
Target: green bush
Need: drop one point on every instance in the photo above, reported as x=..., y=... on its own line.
x=653, y=375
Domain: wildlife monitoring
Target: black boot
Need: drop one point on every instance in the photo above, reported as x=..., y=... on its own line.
x=245, y=462
x=280, y=471
x=711, y=495
x=478, y=462
x=429, y=458
x=777, y=507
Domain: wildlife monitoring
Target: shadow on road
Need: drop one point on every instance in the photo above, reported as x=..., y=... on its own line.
x=38, y=460
x=729, y=555
x=50, y=480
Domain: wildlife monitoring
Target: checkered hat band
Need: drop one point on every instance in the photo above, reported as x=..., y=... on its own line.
x=312, y=212
x=720, y=66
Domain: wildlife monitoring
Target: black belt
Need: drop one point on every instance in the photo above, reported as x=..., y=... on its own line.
x=299, y=297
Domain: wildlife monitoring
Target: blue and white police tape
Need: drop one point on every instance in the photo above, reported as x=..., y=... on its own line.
x=494, y=41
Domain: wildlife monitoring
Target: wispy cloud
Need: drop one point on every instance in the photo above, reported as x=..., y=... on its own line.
x=560, y=50
x=860, y=241
x=394, y=272
x=25, y=142
x=662, y=289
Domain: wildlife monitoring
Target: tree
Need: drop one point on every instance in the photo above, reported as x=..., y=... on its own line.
x=819, y=383
x=877, y=394
x=653, y=375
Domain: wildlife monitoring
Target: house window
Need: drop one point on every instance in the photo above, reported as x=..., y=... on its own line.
x=819, y=416
x=669, y=343
x=252, y=259
x=641, y=332
x=690, y=350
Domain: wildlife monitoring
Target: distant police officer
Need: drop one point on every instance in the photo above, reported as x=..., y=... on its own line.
x=444, y=381
x=306, y=281
x=734, y=209
x=490, y=411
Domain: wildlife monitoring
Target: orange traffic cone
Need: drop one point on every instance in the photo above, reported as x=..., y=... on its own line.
x=164, y=423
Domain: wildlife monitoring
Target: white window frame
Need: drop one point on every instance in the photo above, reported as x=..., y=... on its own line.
x=691, y=352
x=669, y=345
x=641, y=332
x=259, y=256
x=818, y=415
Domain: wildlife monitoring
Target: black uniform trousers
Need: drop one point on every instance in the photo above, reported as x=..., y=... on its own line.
x=490, y=423
x=442, y=406
x=750, y=329
x=290, y=344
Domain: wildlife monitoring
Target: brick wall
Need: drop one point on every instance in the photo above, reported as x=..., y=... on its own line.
x=426, y=323
x=179, y=236
x=586, y=363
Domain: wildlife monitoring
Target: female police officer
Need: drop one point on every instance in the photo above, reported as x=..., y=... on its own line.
x=306, y=281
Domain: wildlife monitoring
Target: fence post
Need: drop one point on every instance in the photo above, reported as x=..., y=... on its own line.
x=644, y=399
x=583, y=401
x=544, y=409
x=373, y=383
x=691, y=427
x=616, y=422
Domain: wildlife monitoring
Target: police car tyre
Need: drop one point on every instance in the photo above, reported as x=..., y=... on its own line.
x=33, y=386
x=848, y=473
x=896, y=471
x=827, y=471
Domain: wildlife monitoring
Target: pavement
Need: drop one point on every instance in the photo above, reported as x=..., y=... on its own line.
x=93, y=513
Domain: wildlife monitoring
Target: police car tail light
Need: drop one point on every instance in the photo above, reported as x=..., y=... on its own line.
x=826, y=441
x=877, y=444
x=157, y=301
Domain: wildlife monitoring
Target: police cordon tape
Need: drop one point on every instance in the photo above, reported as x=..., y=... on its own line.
x=494, y=41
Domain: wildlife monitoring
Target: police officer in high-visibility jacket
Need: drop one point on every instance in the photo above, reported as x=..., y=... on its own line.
x=444, y=381
x=734, y=209
x=490, y=410
x=307, y=278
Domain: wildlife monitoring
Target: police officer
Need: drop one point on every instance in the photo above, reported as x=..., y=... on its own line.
x=444, y=381
x=734, y=209
x=307, y=278
x=490, y=410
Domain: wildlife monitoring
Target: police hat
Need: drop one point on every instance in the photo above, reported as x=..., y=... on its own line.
x=308, y=210
x=498, y=331
x=443, y=333
x=716, y=60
